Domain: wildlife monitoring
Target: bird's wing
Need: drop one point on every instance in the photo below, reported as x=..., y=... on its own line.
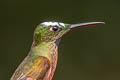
x=33, y=69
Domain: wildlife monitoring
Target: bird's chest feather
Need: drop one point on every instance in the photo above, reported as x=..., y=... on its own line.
x=54, y=57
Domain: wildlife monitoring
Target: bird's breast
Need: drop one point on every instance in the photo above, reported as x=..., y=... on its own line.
x=54, y=58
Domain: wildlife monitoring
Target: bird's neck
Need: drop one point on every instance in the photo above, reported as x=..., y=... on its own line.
x=48, y=50
x=45, y=49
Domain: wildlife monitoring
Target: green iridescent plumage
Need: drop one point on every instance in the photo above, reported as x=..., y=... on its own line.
x=45, y=34
x=40, y=64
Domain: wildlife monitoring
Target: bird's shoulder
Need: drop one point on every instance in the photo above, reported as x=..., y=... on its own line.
x=32, y=68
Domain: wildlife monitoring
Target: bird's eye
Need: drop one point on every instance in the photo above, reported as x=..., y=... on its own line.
x=55, y=28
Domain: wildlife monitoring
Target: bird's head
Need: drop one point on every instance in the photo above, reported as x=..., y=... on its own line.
x=52, y=31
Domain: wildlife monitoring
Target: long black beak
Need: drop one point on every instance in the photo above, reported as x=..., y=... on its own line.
x=85, y=24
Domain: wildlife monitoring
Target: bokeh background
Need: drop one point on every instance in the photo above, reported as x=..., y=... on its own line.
x=90, y=53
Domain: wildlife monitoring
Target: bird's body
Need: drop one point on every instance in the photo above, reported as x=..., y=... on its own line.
x=40, y=63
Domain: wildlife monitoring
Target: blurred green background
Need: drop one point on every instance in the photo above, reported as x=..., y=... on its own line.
x=91, y=53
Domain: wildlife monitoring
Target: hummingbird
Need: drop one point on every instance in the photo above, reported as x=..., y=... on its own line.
x=40, y=63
